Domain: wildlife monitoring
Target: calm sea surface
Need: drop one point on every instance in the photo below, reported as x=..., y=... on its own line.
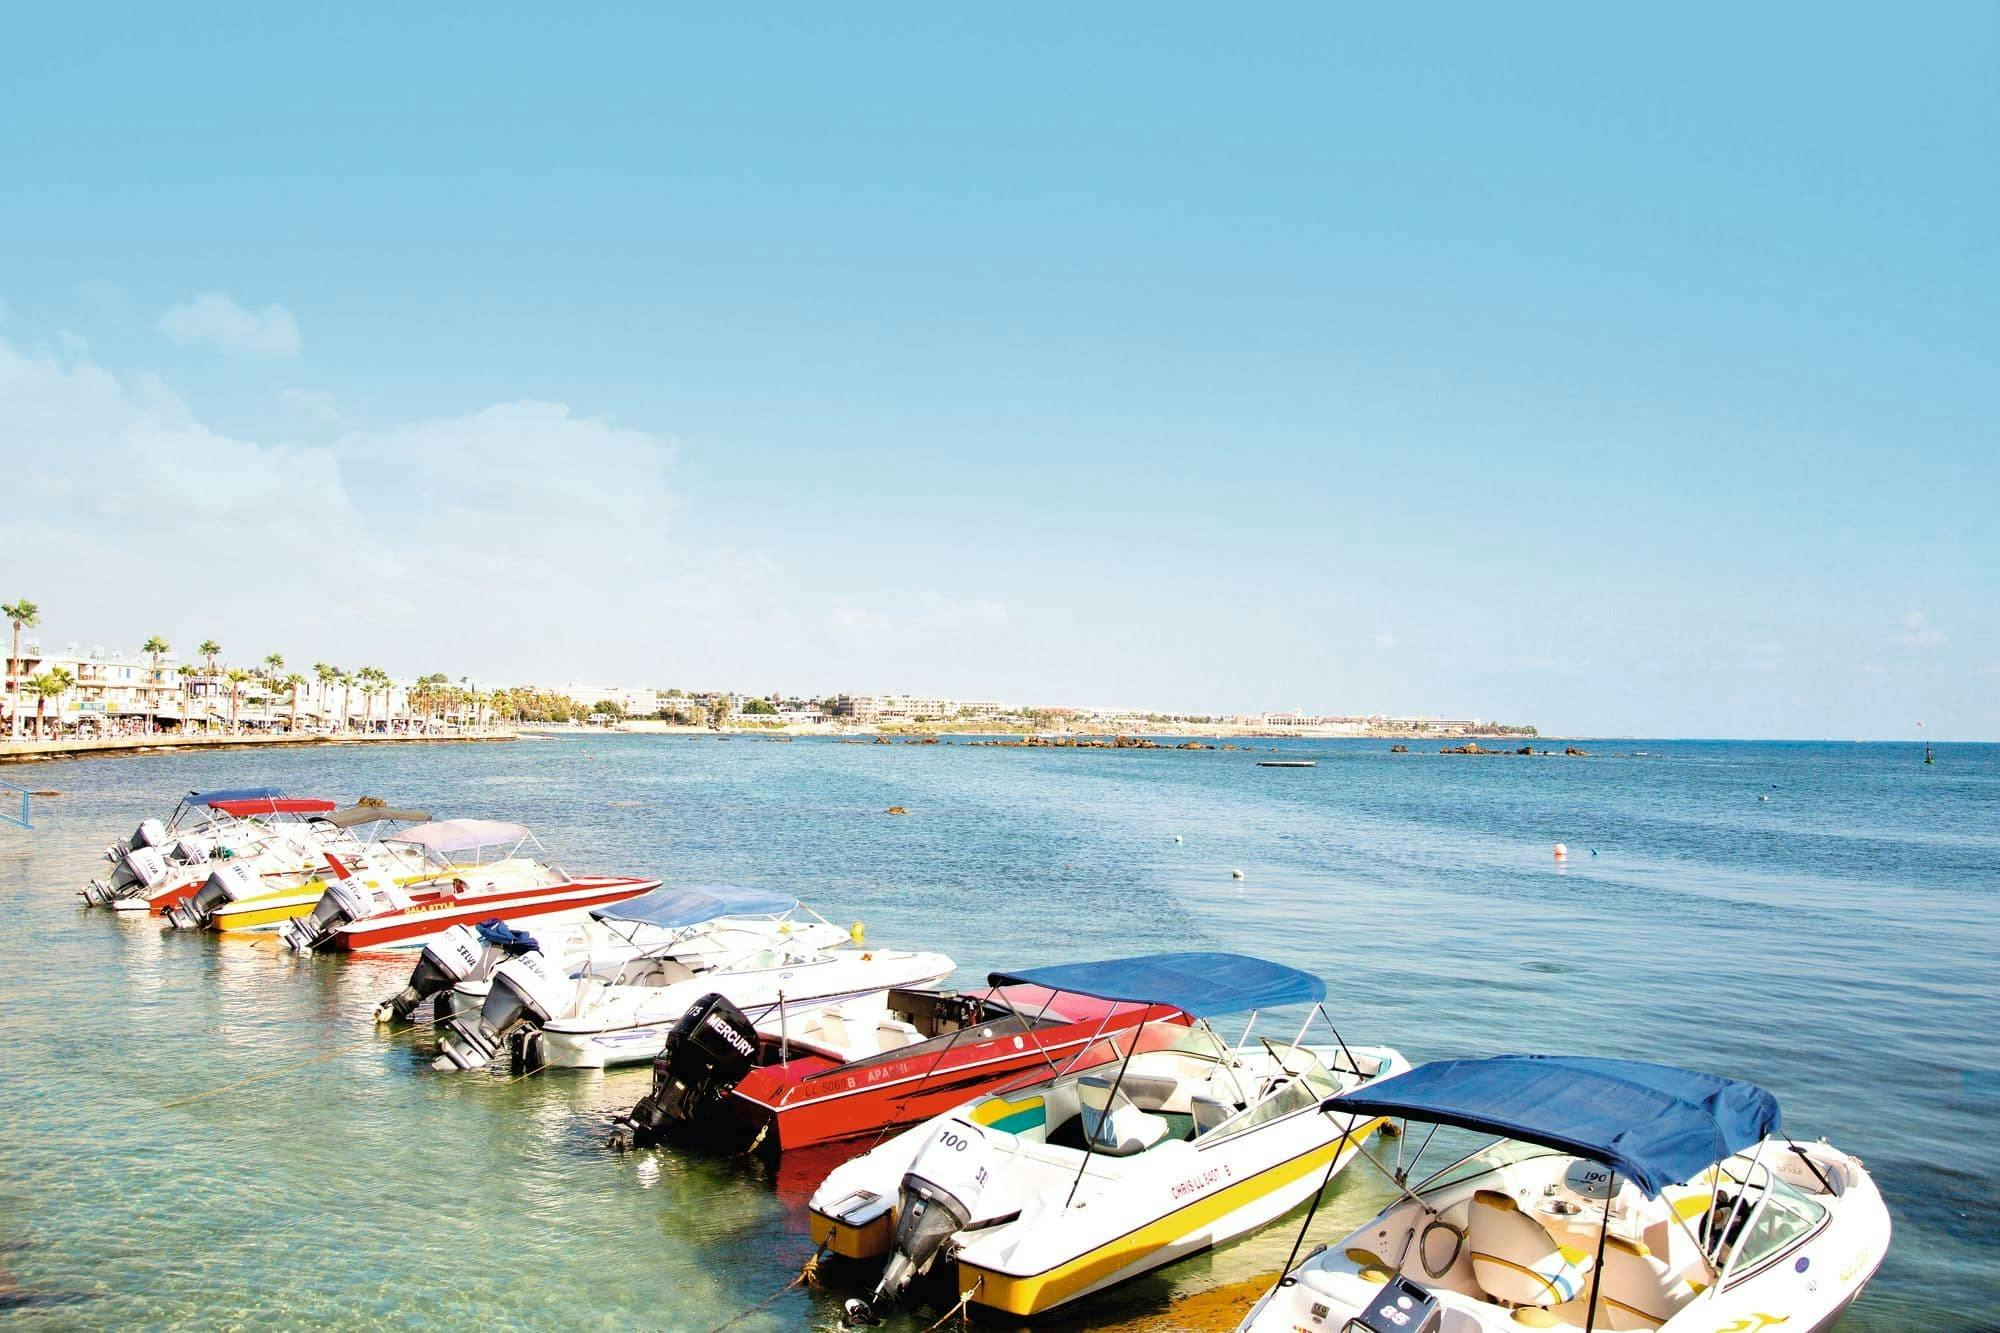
x=1836, y=942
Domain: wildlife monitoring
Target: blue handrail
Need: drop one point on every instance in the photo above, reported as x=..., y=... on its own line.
x=23, y=821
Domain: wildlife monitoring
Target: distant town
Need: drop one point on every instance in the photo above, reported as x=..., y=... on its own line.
x=94, y=691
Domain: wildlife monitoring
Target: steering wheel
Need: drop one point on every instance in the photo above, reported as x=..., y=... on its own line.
x=1457, y=1235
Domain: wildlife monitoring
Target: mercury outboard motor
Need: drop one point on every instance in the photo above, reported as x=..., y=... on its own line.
x=227, y=883
x=344, y=900
x=939, y=1195
x=709, y=1051
x=526, y=990
x=459, y=955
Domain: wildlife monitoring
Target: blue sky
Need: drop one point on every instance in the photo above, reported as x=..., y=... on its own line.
x=1616, y=371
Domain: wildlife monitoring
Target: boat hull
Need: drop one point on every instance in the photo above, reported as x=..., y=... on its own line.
x=419, y=925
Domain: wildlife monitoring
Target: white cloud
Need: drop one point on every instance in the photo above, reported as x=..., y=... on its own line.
x=1918, y=632
x=314, y=403
x=214, y=318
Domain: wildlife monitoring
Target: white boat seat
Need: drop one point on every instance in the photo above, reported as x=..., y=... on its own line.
x=894, y=1033
x=1515, y=1259
x=1114, y=1126
x=1635, y=1289
x=658, y=972
x=833, y=1027
x=1208, y=1113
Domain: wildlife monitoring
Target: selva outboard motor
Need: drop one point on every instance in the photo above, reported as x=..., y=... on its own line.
x=230, y=882
x=459, y=955
x=709, y=1051
x=138, y=870
x=344, y=900
x=938, y=1199
x=524, y=992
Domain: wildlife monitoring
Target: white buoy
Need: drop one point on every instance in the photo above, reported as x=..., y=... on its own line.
x=1763, y=798
x=1236, y=874
x=1177, y=837
x=1562, y=852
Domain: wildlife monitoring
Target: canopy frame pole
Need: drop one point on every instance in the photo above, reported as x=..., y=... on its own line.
x=1089, y=1139
x=1319, y=1007
x=1333, y=1164
x=1597, y=1269
x=1763, y=1200
x=784, y=1033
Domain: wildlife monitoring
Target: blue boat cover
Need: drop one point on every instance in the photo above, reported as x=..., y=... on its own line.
x=1194, y=983
x=1655, y=1125
x=233, y=794
x=686, y=906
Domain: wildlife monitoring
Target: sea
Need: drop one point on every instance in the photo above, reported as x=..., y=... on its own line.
x=200, y=1131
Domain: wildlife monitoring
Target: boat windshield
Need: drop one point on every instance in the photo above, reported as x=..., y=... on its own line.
x=1483, y=1161
x=1295, y=1080
x=996, y=1021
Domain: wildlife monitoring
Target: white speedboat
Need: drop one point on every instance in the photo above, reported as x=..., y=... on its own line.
x=1146, y=1146
x=265, y=839
x=692, y=926
x=158, y=848
x=482, y=870
x=618, y=1010
x=1617, y=1195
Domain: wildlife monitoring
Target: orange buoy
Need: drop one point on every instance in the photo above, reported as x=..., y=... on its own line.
x=1562, y=852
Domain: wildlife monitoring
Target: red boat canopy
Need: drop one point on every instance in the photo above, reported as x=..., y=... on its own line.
x=275, y=805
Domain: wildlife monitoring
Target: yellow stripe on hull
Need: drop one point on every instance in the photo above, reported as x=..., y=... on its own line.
x=256, y=914
x=1040, y=1292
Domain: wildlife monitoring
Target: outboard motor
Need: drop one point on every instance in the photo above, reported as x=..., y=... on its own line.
x=138, y=870
x=344, y=900
x=525, y=992
x=150, y=833
x=227, y=883
x=709, y=1051
x=459, y=955
x=193, y=851
x=939, y=1195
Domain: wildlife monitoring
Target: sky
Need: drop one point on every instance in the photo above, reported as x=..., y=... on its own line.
x=1618, y=371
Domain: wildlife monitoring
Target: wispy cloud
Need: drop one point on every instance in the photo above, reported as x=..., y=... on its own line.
x=315, y=403
x=214, y=318
x=1918, y=632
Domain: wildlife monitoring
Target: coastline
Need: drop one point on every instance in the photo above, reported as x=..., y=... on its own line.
x=985, y=730
x=28, y=751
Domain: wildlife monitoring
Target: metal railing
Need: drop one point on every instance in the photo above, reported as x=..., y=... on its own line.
x=8, y=800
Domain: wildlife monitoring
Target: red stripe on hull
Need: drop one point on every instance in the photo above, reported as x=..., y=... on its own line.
x=401, y=926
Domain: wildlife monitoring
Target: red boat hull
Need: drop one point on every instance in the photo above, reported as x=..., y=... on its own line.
x=424, y=919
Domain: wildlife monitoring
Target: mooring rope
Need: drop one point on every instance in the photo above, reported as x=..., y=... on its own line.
x=964, y=1304
x=808, y=1275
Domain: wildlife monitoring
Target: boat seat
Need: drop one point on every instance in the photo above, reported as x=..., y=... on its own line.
x=659, y=972
x=1149, y=1092
x=1635, y=1289
x=894, y=1033
x=1112, y=1123
x=833, y=1027
x=1515, y=1259
x=1208, y=1113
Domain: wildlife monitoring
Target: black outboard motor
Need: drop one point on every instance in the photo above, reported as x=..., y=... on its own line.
x=940, y=1193
x=709, y=1051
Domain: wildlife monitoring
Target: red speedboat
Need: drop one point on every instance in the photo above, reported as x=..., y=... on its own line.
x=893, y=1058
x=486, y=870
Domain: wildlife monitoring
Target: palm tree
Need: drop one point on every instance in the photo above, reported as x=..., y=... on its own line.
x=153, y=647
x=47, y=685
x=346, y=679
x=326, y=674
x=187, y=672
x=25, y=615
x=366, y=679
x=211, y=650
x=293, y=683
x=235, y=676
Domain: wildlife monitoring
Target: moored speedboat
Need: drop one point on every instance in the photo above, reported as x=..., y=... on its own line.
x=265, y=839
x=1616, y=1195
x=620, y=1012
x=1148, y=1146
x=879, y=1062
x=230, y=903
x=359, y=912
x=158, y=848
x=685, y=925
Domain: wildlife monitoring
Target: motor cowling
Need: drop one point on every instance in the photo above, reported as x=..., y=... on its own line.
x=524, y=992
x=192, y=851
x=143, y=867
x=938, y=1199
x=230, y=882
x=150, y=833
x=709, y=1051
x=343, y=901
x=461, y=954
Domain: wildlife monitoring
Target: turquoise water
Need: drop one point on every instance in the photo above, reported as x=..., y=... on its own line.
x=1836, y=942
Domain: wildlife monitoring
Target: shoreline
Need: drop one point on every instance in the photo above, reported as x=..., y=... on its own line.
x=27, y=751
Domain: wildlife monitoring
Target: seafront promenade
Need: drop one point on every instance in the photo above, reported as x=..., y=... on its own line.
x=29, y=750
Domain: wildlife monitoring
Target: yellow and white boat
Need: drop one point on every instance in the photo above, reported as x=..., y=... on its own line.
x=1152, y=1144
x=238, y=898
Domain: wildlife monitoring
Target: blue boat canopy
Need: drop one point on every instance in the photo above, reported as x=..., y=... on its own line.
x=1655, y=1125
x=233, y=794
x=685, y=906
x=1195, y=983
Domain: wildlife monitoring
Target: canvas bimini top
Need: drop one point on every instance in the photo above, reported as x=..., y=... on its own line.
x=690, y=906
x=448, y=836
x=211, y=798
x=1198, y=984
x=1655, y=1125
x=354, y=816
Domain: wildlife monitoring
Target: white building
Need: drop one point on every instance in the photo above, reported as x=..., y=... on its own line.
x=632, y=702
